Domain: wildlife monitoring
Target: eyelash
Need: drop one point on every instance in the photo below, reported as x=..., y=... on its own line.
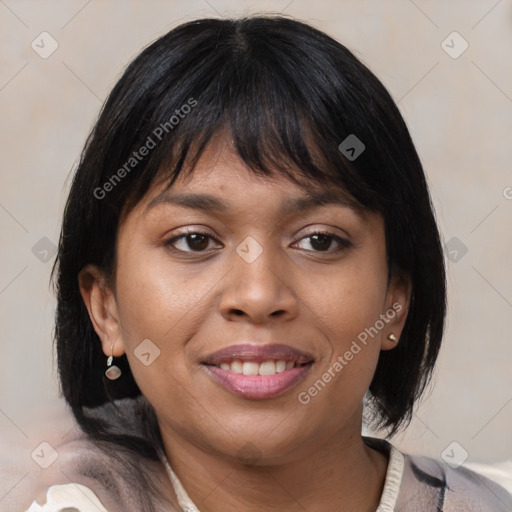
x=343, y=243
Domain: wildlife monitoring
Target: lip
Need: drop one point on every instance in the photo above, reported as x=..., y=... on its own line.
x=258, y=354
x=258, y=386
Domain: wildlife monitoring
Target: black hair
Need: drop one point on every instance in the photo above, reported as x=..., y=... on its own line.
x=288, y=95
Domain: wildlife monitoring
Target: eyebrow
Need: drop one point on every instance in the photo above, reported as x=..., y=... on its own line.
x=208, y=203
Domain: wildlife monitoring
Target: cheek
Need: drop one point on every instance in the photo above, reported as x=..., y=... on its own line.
x=155, y=300
x=349, y=306
x=352, y=298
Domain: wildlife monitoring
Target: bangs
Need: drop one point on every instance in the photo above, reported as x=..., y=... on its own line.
x=279, y=114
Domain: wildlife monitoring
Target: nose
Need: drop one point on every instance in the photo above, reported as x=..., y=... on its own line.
x=259, y=291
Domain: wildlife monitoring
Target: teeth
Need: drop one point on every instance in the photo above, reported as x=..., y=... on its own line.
x=280, y=366
x=252, y=368
x=236, y=366
x=267, y=368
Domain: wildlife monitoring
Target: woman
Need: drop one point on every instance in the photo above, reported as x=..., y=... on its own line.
x=248, y=255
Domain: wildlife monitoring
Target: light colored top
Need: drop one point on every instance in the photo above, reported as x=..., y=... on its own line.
x=101, y=484
x=79, y=498
x=69, y=497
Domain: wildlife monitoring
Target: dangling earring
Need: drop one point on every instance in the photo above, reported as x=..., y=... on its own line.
x=112, y=372
x=392, y=337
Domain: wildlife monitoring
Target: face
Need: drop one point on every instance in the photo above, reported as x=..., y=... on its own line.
x=247, y=322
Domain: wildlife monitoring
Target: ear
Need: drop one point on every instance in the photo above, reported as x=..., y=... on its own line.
x=397, y=307
x=102, y=307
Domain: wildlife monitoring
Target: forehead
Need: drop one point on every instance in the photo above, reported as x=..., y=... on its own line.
x=220, y=171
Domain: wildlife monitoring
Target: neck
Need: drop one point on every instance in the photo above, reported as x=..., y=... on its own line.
x=343, y=475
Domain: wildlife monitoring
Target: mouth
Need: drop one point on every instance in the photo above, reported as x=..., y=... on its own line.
x=258, y=371
x=269, y=367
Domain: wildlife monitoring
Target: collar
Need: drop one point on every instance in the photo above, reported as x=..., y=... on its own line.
x=389, y=493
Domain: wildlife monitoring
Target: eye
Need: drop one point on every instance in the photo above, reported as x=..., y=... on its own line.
x=321, y=241
x=190, y=241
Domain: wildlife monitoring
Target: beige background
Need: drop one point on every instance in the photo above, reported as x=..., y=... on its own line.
x=459, y=111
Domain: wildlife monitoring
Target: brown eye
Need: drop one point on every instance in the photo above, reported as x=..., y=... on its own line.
x=323, y=242
x=197, y=241
x=190, y=242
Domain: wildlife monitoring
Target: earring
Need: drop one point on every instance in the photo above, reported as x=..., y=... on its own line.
x=112, y=372
x=392, y=337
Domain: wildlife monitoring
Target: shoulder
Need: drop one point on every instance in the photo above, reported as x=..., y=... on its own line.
x=79, y=467
x=83, y=474
x=71, y=496
x=430, y=482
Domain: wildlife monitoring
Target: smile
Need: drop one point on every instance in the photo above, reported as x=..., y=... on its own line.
x=255, y=368
x=258, y=372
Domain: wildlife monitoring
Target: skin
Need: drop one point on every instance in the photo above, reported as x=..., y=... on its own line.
x=233, y=453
